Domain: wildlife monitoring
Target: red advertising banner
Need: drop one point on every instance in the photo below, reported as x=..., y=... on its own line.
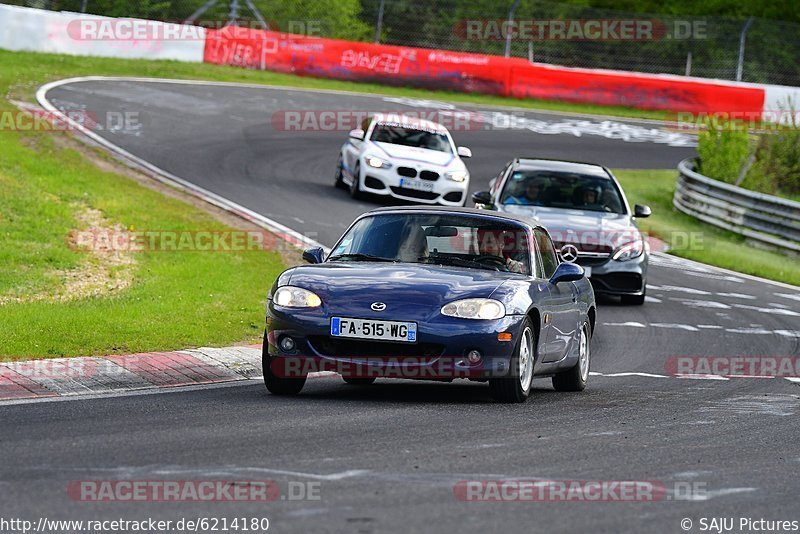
x=470, y=73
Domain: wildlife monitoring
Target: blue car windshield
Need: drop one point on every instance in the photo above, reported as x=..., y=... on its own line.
x=562, y=190
x=403, y=135
x=454, y=240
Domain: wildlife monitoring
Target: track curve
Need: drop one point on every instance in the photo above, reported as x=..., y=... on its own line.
x=406, y=445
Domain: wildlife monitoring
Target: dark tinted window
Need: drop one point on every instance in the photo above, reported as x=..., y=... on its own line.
x=562, y=190
x=401, y=135
x=460, y=241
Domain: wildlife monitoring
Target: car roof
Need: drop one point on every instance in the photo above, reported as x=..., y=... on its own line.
x=413, y=122
x=525, y=221
x=541, y=164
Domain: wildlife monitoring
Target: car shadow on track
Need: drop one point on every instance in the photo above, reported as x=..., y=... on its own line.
x=412, y=392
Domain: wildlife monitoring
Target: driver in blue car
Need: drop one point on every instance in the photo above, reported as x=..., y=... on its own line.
x=497, y=243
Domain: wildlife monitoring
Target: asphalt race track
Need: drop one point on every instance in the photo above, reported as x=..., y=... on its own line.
x=387, y=456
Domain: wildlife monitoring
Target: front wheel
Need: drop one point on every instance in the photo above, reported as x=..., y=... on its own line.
x=575, y=378
x=338, y=182
x=278, y=385
x=517, y=385
x=355, y=187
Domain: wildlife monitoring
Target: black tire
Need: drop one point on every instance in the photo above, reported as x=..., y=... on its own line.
x=355, y=188
x=634, y=300
x=359, y=381
x=275, y=384
x=338, y=181
x=509, y=389
x=575, y=378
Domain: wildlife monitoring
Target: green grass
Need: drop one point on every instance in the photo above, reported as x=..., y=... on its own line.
x=697, y=241
x=26, y=71
x=176, y=299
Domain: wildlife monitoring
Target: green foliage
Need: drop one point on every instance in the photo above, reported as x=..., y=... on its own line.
x=723, y=148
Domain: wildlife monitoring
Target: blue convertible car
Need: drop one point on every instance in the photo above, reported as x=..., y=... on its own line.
x=437, y=294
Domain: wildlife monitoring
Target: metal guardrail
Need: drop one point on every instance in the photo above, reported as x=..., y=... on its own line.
x=765, y=220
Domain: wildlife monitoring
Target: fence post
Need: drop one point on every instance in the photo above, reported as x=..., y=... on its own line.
x=742, y=36
x=379, y=23
x=689, y=64
x=508, y=29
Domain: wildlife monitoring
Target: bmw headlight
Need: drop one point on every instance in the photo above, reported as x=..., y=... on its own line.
x=296, y=297
x=475, y=309
x=629, y=251
x=376, y=162
x=457, y=176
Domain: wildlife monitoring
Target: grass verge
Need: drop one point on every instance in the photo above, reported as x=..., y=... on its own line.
x=27, y=71
x=698, y=241
x=61, y=299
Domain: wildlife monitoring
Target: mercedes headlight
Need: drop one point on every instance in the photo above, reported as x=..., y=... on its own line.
x=475, y=309
x=378, y=163
x=457, y=176
x=629, y=251
x=296, y=297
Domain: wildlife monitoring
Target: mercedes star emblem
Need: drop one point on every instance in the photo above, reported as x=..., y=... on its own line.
x=569, y=253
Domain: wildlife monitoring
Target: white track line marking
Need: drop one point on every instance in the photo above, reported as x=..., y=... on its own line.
x=702, y=377
x=686, y=327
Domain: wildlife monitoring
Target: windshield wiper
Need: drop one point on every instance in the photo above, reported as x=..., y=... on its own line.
x=358, y=256
x=458, y=262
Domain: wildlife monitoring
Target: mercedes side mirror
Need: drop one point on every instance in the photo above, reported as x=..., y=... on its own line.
x=464, y=152
x=357, y=134
x=482, y=197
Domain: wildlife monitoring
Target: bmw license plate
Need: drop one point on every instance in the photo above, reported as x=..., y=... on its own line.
x=417, y=185
x=369, y=329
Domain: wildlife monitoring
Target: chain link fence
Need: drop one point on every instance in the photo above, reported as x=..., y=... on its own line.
x=751, y=50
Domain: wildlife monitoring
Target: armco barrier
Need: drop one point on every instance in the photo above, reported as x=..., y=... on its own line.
x=333, y=58
x=765, y=220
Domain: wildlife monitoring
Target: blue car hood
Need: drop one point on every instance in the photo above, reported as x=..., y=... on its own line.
x=350, y=287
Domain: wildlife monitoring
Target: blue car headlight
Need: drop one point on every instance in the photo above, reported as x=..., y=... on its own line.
x=475, y=309
x=296, y=297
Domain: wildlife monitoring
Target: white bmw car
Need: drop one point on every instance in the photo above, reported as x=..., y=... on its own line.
x=406, y=158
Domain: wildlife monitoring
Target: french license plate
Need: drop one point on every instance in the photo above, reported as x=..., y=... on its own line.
x=588, y=271
x=370, y=329
x=418, y=185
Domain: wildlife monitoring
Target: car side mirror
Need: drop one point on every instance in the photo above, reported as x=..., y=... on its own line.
x=567, y=272
x=464, y=152
x=641, y=211
x=314, y=255
x=358, y=134
x=482, y=197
